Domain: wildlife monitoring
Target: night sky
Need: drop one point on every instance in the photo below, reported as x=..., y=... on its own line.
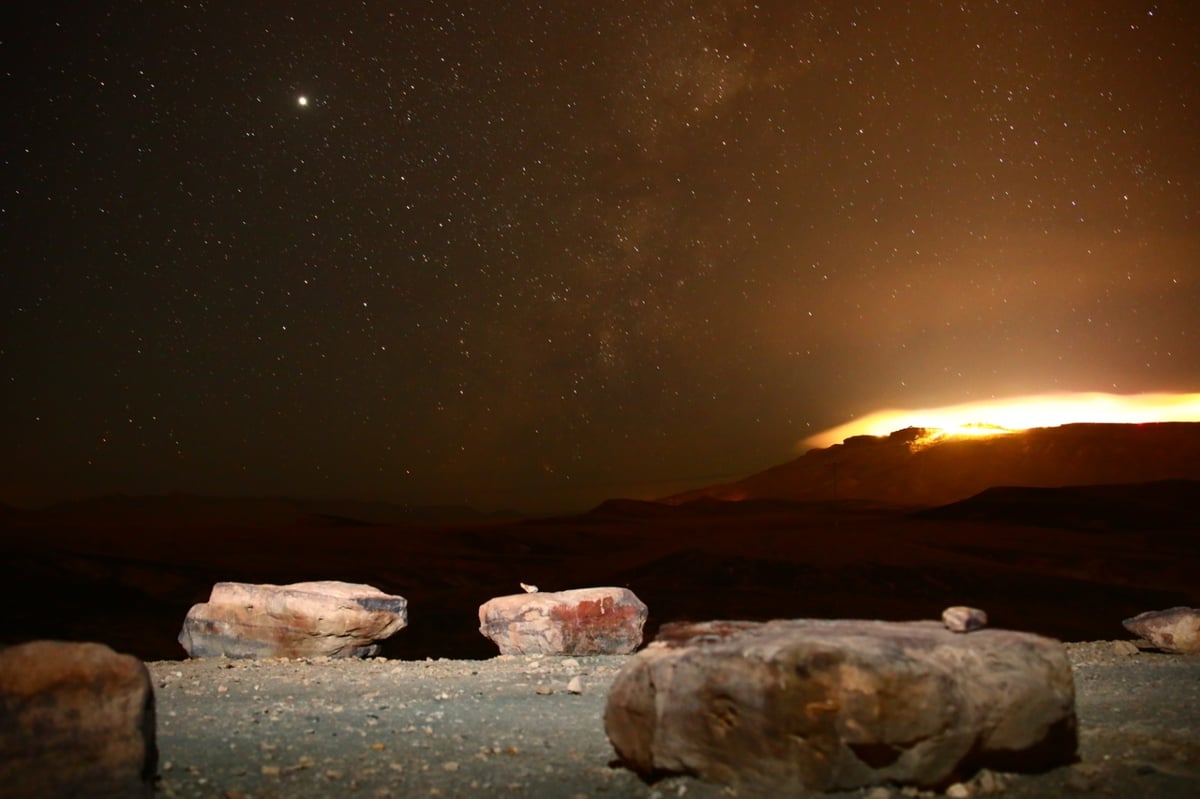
x=534, y=255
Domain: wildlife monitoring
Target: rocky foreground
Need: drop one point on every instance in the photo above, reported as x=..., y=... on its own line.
x=529, y=725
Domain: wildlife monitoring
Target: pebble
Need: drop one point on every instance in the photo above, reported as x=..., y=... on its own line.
x=1083, y=777
x=988, y=782
x=1125, y=648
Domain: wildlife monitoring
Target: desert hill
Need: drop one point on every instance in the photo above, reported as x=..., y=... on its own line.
x=1161, y=505
x=1063, y=531
x=897, y=469
x=1030, y=564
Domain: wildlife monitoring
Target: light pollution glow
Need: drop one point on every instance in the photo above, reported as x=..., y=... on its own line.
x=996, y=417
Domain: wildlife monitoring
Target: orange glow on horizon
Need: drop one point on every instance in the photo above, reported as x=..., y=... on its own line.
x=997, y=417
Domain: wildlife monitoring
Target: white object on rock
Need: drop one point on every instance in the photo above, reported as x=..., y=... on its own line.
x=792, y=706
x=962, y=619
x=325, y=618
x=584, y=621
x=76, y=719
x=529, y=589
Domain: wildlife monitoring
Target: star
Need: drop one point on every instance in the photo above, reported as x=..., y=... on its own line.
x=302, y=101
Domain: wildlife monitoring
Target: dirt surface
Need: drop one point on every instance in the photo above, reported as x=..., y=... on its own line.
x=514, y=726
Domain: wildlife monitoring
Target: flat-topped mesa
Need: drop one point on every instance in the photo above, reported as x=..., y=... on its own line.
x=789, y=706
x=323, y=618
x=583, y=621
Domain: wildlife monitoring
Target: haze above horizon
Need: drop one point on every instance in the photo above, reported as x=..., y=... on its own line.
x=997, y=416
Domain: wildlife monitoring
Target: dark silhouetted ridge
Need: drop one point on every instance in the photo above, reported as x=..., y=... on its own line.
x=899, y=469
x=1159, y=505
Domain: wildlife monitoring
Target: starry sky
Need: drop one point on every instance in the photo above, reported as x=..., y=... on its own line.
x=533, y=255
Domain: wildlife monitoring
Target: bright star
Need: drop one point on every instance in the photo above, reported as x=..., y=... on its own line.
x=302, y=100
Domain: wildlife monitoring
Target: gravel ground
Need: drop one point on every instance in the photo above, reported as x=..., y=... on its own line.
x=532, y=726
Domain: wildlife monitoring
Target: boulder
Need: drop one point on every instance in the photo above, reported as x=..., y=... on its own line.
x=76, y=719
x=326, y=618
x=784, y=707
x=584, y=621
x=1171, y=630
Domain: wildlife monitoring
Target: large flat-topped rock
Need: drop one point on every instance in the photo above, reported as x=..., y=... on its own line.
x=583, y=621
x=76, y=719
x=801, y=705
x=1171, y=630
x=325, y=618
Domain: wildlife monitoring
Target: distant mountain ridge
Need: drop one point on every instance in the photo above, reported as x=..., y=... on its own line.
x=890, y=469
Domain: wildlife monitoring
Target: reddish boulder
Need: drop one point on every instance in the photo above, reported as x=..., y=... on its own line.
x=1171, y=630
x=76, y=719
x=584, y=621
x=326, y=618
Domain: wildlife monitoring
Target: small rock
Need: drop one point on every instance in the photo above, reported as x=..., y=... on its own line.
x=987, y=782
x=1125, y=648
x=962, y=619
x=1083, y=777
x=302, y=620
x=76, y=719
x=958, y=791
x=879, y=792
x=575, y=685
x=1172, y=630
x=585, y=621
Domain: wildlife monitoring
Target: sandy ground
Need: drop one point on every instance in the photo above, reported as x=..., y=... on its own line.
x=509, y=726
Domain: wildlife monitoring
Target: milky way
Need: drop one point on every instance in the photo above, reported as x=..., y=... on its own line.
x=512, y=255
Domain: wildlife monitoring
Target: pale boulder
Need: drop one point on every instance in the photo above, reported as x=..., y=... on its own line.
x=76, y=719
x=785, y=707
x=962, y=619
x=1172, y=630
x=583, y=621
x=325, y=618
